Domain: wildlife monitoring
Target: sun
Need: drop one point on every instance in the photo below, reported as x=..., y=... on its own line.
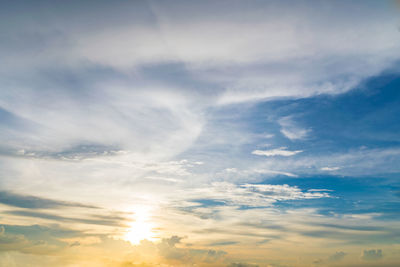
x=142, y=227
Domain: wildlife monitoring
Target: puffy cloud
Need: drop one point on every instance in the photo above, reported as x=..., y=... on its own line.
x=372, y=255
x=170, y=253
x=33, y=239
x=62, y=245
x=337, y=256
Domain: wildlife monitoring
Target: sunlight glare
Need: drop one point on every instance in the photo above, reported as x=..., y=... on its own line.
x=141, y=228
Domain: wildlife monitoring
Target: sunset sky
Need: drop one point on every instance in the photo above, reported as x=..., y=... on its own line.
x=199, y=133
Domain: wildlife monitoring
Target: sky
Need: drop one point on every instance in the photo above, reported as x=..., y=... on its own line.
x=199, y=133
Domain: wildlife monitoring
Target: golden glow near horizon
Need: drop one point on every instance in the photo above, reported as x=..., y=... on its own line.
x=142, y=227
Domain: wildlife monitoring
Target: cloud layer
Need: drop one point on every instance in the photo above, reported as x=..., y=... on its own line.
x=260, y=133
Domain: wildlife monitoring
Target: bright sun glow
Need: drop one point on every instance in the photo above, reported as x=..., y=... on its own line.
x=142, y=227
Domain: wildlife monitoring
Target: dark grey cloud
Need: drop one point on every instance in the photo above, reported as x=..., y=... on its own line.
x=33, y=202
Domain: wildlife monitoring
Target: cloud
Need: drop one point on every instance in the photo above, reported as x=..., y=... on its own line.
x=104, y=111
x=245, y=174
x=271, y=172
x=34, y=239
x=132, y=83
x=372, y=255
x=349, y=226
x=282, y=151
x=242, y=265
x=170, y=253
x=11, y=242
x=252, y=195
x=330, y=168
x=223, y=243
x=97, y=220
x=291, y=130
x=283, y=69
x=353, y=162
x=32, y=202
x=130, y=264
x=62, y=243
x=318, y=261
x=337, y=256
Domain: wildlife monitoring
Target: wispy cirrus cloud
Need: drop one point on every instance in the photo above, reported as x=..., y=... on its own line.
x=104, y=220
x=330, y=168
x=33, y=202
x=291, y=130
x=282, y=151
x=252, y=195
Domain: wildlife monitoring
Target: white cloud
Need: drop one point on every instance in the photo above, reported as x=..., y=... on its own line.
x=330, y=168
x=352, y=163
x=308, y=51
x=282, y=151
x=268, y=135
x=291, y=130
x=154, y=124
x=271, y=172
x=254, y=195
x=320, y=190
x=275, y=56
x=250, y=174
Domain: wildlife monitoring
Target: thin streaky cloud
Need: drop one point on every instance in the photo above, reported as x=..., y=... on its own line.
x=282, y=151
